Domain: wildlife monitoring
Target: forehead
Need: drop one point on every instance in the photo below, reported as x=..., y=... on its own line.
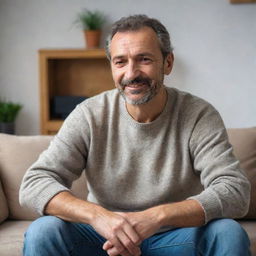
x=135, y=42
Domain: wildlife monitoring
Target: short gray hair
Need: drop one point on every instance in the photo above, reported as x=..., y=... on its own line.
x=136, y=22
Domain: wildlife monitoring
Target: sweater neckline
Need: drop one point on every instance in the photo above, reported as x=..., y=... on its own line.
x=160, y=119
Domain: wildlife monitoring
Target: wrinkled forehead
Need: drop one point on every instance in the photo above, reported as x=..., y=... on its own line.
x=135, y=42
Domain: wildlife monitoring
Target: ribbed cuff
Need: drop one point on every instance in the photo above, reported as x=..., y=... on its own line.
x=210, y=203
x=47, y=194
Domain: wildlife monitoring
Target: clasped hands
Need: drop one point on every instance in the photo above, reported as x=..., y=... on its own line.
x=124, y=232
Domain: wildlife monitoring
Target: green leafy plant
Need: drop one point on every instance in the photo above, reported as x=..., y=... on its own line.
x=90, y=20
x=9, y=111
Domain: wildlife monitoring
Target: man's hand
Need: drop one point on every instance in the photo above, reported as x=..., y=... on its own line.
x=187, y=213
x=145, y=223
x=118, y=231
x=112, y=226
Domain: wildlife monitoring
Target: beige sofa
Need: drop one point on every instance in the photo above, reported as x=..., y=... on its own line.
x=17, y=153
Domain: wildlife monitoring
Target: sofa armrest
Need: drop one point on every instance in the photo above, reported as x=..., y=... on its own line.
x=4, y=211
x=243, y=141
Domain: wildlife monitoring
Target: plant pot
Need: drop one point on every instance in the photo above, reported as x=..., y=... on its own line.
x=92, y=38
x=7, y=128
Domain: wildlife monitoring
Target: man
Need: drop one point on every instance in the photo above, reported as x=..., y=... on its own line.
x=161, y=174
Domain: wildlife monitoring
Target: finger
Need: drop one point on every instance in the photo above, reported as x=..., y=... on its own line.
x=113, y=252
x=132, y=234
x=121, y=244
x=128, y=243
x=107, y=245
x=117, y=246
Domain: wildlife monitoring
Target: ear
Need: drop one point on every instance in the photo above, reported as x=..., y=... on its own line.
x=168, y=63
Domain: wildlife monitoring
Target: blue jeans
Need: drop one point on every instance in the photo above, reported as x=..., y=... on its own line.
x=51, y=236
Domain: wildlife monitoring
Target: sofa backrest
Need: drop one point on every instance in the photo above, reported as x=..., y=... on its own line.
x=4, y=211
x=17, y=153
x=244, y=144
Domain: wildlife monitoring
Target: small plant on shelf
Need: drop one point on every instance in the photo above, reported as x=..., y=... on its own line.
x=91, y=22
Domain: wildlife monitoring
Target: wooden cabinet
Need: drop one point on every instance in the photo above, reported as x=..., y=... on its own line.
x=70, y=72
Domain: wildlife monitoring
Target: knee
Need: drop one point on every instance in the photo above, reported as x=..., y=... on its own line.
x=228, y=228
x=43, y=229
x=224, y=237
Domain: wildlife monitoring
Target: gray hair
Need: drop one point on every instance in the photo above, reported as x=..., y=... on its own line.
x=136, y=22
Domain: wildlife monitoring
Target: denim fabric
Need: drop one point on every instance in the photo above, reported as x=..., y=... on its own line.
x=52, y=236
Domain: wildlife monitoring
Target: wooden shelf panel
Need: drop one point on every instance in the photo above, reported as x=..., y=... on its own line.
x=242, y=1
x=73, y=53
x=70, y=72
x=54, y=125
x=77, y=77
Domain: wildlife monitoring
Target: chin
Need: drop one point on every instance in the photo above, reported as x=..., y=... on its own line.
x=139, y=100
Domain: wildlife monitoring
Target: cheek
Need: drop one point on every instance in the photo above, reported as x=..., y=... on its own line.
x=116, y=76
x=152, y=72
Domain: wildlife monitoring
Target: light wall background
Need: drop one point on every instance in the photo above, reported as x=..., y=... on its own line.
x=214, y=42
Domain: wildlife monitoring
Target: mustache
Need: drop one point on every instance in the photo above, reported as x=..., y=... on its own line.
x=137, y=80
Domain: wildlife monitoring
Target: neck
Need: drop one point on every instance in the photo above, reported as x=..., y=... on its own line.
x=148, y=112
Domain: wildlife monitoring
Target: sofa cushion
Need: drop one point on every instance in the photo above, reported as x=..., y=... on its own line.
x=250, y=227
x=3, y=205
x=244, y=144
x=17, y=154
x=12, y=236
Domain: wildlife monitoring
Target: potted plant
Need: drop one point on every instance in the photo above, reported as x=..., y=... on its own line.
x=8, y=114
x=91, y=22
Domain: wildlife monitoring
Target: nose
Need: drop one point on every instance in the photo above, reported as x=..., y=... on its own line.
x=132, y=70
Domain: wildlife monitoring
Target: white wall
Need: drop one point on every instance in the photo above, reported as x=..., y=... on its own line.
x=215, y=49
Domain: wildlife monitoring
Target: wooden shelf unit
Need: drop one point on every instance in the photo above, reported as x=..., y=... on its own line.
x=70, y=72
x=242, y=1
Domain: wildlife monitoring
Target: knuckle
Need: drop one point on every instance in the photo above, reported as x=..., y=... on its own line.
x=114, y=251
x=137, y=241
x=112, y=237
x=128, y=244
x=115, y=229
x=121, y=222
x=119, y=248
x=118, y=225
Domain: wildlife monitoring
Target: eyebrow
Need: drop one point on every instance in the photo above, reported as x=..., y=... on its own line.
x=138, y=55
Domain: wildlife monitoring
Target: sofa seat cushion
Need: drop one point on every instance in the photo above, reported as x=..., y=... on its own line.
x=244, y=144
x=3, y=205
x=11, y=237
x=250, y=227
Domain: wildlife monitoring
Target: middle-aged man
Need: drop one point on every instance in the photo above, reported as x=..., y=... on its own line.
x=161, y=175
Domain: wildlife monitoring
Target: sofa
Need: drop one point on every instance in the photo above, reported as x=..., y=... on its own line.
x=17, y=153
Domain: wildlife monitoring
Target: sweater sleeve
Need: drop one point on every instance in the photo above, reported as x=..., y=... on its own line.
x=58, y=166
x=226, y=189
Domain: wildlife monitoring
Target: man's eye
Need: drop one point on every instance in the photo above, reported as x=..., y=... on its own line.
x=119, y=62
x=145, y=60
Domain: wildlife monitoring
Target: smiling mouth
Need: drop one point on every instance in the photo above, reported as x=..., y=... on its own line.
x=136, y=86
x=137, y=83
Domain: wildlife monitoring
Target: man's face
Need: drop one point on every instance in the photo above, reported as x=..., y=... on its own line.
x=137, y=65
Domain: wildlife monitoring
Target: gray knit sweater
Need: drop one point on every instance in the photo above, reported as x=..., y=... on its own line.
x=131, y=166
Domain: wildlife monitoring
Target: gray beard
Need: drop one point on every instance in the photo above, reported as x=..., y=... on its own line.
x=146, y=98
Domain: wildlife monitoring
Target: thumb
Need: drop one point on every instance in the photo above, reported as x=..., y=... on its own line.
x=107, y=245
